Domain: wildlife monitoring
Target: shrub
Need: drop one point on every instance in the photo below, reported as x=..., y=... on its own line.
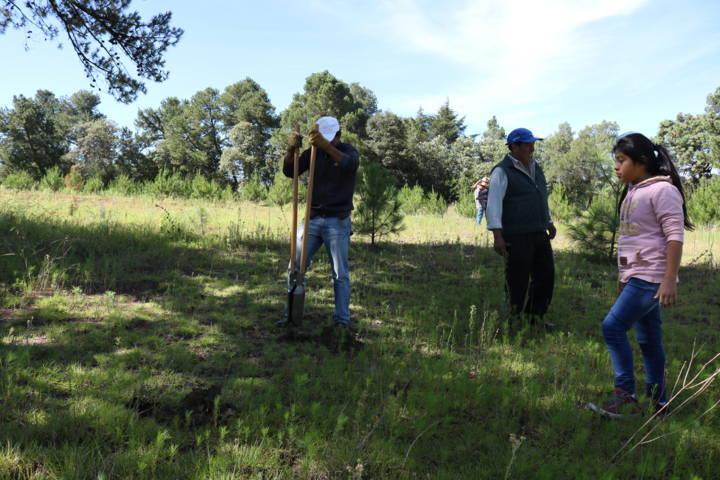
x=703, y=205
x=53, y=180
x=201, y=187
x=560, y=208
x=73, y=180
x=280, y=192
x=253, y=190
x=19, y=181
x=595, y=230
x=465, y=204
x=228, y=193
x=167, y=184
x=411, y=200
x=414, y=201
x=434, y=204
x=124, y=185
x=93, y=184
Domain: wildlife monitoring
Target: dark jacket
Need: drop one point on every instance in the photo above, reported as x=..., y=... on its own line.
x=525, y=205
x=333, y=185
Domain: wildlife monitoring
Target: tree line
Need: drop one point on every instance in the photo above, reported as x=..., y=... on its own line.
x=235, y=135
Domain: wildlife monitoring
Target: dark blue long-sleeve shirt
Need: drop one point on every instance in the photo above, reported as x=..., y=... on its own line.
x=334, y=184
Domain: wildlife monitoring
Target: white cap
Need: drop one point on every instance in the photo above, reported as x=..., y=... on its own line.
x=328, y=127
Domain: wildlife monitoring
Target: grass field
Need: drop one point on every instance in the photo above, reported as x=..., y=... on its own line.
x=137, y=341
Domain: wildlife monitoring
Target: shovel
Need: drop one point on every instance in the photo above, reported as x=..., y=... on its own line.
x=296, y=291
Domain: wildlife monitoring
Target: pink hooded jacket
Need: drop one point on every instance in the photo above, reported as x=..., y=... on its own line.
x=651, y=215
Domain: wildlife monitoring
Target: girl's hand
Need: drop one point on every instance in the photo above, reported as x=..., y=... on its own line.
x=667, y=293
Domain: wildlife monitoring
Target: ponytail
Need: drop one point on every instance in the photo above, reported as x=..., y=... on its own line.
x=623, y=194
x=666, y=167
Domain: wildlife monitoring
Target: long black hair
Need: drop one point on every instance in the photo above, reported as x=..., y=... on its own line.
x=657, y=161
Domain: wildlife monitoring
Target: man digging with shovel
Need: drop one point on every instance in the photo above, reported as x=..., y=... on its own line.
x=332, y=167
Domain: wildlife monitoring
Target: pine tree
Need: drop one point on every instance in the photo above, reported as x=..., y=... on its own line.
x=447, y=125
x=378, y=212
x=103, y=34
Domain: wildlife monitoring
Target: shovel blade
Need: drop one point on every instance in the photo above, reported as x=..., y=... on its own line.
x=296, y=305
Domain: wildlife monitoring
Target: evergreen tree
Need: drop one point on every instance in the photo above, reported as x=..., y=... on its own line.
x=690, y=139
x=387, y=143
x=247, y=101
x=594, y=231
x=435, y=169
x=418, y=128
x=250, y=119
x=131, y=159
x=446, y=124
x=466, y=165
x=588, y=166
x=155, y=130
x=378, y=211
x=188, y=136
x=712, y=121
x=205, y=132
x=324, y=94
x=248, y=154
x=492, y=144
x=95, y=152
x=554, y=147
x=81, y=107
x=33, y=135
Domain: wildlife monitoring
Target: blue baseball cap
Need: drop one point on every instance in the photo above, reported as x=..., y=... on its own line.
x=521, y=135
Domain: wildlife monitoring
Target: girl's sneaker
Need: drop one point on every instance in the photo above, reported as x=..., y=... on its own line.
x=621, y=404
x=662, y=409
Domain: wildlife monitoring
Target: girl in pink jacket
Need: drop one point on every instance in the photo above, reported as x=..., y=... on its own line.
x=653, y=218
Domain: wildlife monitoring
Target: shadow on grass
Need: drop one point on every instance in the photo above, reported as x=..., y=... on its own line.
x=422, y=287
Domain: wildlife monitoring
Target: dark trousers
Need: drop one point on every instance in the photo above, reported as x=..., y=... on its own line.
x=529, y=272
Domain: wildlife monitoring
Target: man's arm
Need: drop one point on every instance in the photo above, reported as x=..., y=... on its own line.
x=350, y=158
x=294, y=143
x=346, y=160
x=288, y=162
x=551, y=230
x=496, y=194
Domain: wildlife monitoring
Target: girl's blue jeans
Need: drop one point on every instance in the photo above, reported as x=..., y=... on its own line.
x=637, y=307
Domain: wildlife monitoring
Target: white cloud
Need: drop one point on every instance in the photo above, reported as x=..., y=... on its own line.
x=532, y=62
x=510, y=51
x=494, y=31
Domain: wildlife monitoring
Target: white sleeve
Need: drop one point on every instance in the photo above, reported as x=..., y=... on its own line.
x=496, y=194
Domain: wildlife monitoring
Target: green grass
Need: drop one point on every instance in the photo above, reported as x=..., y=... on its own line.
x=137, y=342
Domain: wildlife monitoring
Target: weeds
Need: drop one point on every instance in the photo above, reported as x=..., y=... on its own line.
x=516, y=442
x=145, y=349
x=685, y=386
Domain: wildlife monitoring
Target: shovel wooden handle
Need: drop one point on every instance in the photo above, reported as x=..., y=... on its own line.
x=311, y=180
x=293, y=235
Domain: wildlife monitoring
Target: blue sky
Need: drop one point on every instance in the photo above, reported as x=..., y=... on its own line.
x=530, y=63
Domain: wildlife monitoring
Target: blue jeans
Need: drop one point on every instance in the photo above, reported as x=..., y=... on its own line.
x=635, y=306
x=479, y=214
x=335, y=234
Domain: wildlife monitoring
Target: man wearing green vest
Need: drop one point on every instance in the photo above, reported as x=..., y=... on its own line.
x=518, y=216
